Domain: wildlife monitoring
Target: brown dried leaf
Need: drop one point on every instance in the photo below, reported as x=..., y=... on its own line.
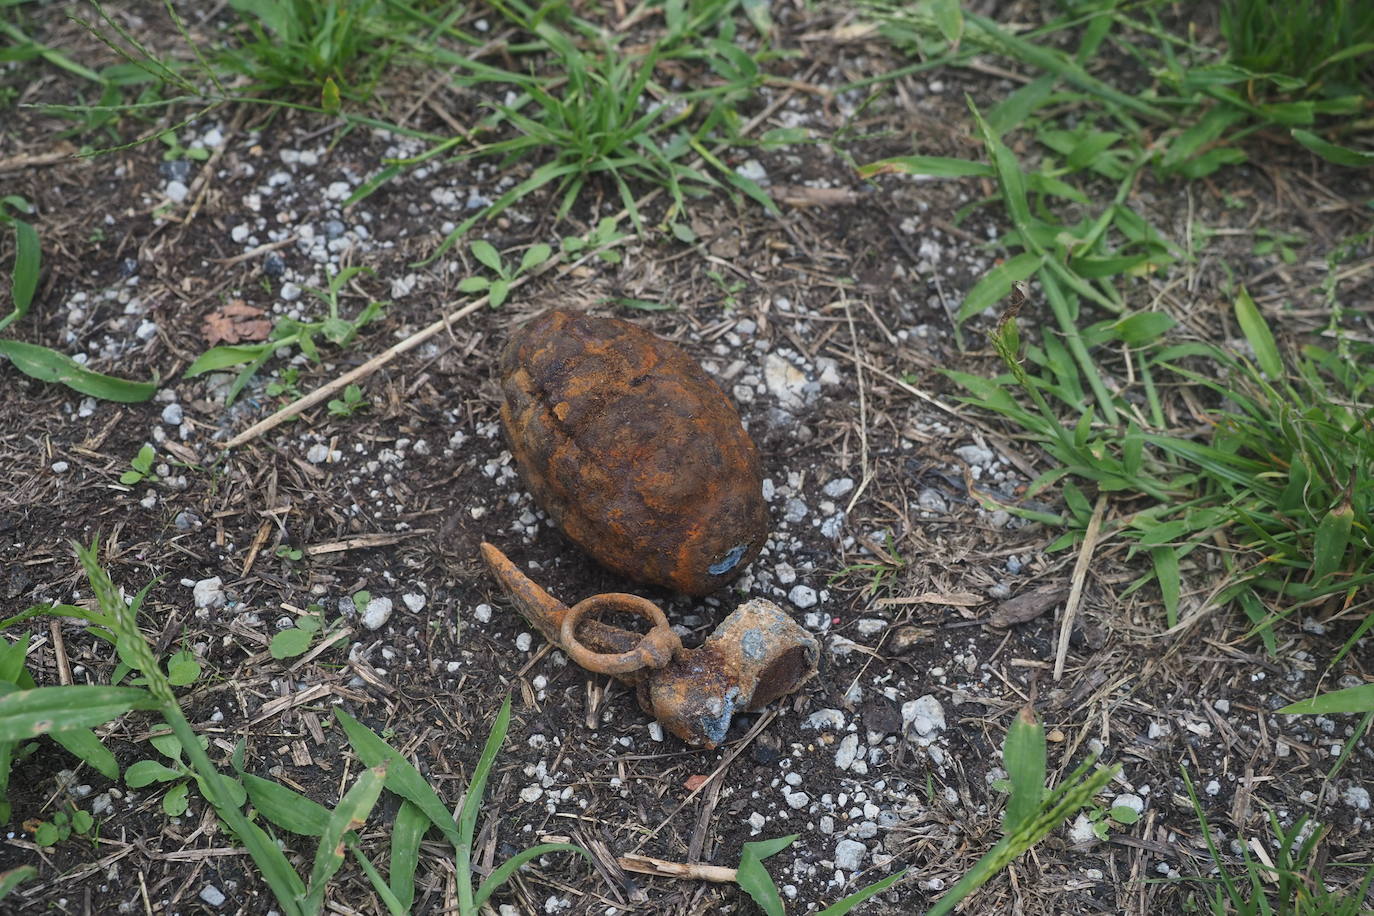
x=236, y=322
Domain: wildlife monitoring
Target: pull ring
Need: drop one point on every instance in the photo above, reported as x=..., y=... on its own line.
x=655, y=649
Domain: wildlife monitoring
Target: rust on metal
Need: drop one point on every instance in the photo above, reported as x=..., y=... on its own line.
x=633, y=451
x=756, y=655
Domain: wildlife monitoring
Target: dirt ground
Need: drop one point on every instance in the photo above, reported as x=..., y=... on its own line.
x=829, y=325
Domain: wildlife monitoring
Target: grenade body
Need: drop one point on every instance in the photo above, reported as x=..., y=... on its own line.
x=633, y=451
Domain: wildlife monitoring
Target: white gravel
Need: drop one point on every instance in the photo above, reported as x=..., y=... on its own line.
x=378, y=612
x=208, y=593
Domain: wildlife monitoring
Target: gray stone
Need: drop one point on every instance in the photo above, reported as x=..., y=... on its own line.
x=839, y=487
x=849, y=855
x=848, y=750
x=209, y=593
x=825, y=720
x=932, y=501
x=975, y=455
x=924, y=716
x=378, y=612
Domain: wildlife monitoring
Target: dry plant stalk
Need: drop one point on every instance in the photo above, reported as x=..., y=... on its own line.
x=648, y=865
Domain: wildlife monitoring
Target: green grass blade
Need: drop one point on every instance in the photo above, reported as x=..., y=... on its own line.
x=25, y=714
x=406, y=833
x=83, y=743
x=847, y=904
x=993, y=861
x=754, y=879
x=1331, y=152
x=1167, y=573
x=502, y=873
x=50, y=366
x=12, y=657
x=1017, y=107
x=1059, y=64
x=472, y=804
x=394, y=905
x=472, y=800
x=351, y=813
x=24, y=274
x=997, y=283
x=284, y=807
x=1331, y=540
x=276, y=870
x=1257, y=332
x=11, y=879
x=1024, y=757
x=401, y=777
x=1348, y=700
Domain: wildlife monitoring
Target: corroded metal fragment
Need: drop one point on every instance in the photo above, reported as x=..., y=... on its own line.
x=633, y=450
x=756, y=655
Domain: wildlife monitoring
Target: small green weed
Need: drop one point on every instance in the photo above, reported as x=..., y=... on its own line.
x=333, y=49
x=296, y=640
x=1296, y=883
x=596, y=110
x=183, y=668
x=1273, y=241
x=288, y=553
x=176, y=773
x=140, y=467
x=1032, y=810
x=754, y=879
x=881, y=571
x=497, y=290
x=286, y=385
x=70, y=821
x=603, y=235
x=1103, y=820
x=288, y=332
x=351, y=402
x=175, y=150
x=729, y=289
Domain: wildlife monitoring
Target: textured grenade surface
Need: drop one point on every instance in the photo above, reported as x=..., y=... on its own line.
x=633, y=451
